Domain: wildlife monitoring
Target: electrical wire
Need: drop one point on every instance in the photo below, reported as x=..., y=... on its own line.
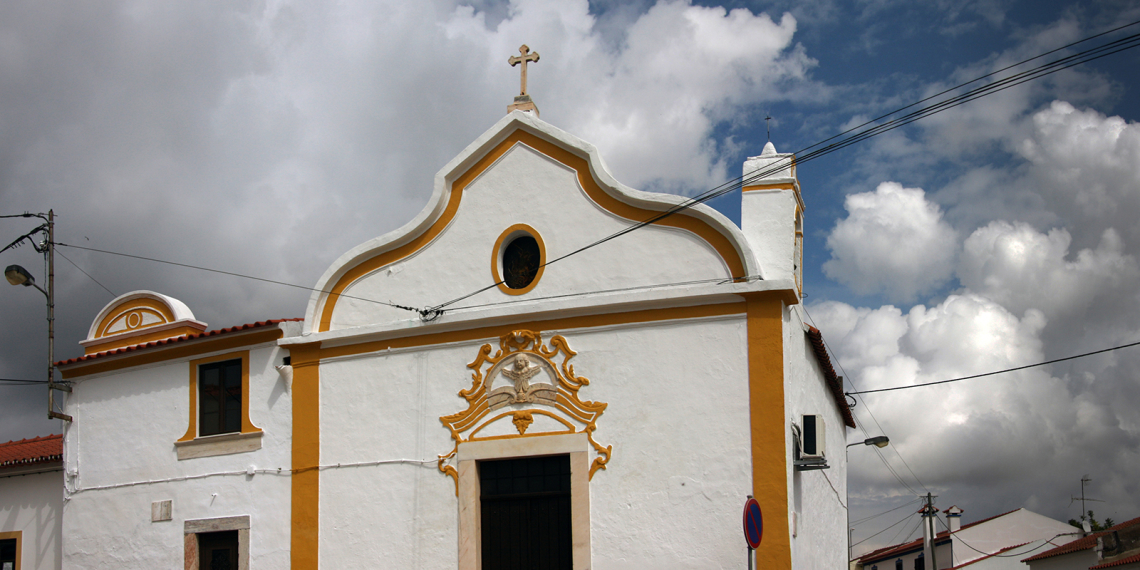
x=865, y=519
x=1079, y=58
x=86, y=273
x=413, y=309
x=1015, y=369
x=878, y=451
x=906, y=518
x=998, y=554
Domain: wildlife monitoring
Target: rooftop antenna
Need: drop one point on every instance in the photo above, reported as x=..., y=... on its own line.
x=1083, y=498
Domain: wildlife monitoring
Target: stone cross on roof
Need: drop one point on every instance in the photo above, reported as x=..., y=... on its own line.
x=526, y=56
x=522, y=100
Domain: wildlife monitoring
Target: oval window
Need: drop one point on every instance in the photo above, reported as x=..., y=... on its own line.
x=516, y=260
x=521, y=260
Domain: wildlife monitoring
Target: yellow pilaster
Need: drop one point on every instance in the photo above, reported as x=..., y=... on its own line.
x=306, y=455
x=766, y=406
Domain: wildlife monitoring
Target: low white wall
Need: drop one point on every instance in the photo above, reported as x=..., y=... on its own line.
x=31, y=504
x=125, y=427
x=817, y=497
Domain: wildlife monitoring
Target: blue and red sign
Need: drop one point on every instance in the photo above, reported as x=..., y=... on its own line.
x=753, y=523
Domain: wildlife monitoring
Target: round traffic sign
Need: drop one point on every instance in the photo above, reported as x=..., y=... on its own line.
x=753, y=523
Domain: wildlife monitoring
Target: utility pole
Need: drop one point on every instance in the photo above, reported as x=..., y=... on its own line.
x=52, y=386
x=928, y=513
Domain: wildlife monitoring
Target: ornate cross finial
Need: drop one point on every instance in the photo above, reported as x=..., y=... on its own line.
x=526, y=56
x=768, y=122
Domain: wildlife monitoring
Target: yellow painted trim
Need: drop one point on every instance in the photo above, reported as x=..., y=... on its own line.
x=768, y=433
x=775, y=186
x=305, y=500
x=497, y=258
x=246, y=425
x=581, y=166
x=18, y=535
x=141, y=303
x=114, y=343
x=184, y=349
x=496, y=331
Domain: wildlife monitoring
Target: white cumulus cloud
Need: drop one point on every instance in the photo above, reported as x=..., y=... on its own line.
x=893, y=241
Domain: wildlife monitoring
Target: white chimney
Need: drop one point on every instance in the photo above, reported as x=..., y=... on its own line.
x=771, y=214
x=954, y=518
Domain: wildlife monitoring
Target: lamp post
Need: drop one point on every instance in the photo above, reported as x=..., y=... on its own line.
x=877, y=441
x=17, y=275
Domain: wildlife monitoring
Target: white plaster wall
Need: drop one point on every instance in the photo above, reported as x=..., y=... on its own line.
x=768, y=220
x=1017, y=527
x=1012, y=559
x=819, y=496
x=677, y=419
x=526, y=187
x=31, y=504
x=125, y=427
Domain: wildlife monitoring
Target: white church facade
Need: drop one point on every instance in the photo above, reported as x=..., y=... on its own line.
x=606, y=405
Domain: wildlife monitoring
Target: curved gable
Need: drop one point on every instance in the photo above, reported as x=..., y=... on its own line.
x=524, y=151
x=137, y=317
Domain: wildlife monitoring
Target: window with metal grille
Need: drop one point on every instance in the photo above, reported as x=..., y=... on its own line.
x=525, y=513
x=219, y=397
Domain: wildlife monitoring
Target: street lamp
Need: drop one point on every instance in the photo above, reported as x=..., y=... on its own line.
x=877, y=441
x=17, y=275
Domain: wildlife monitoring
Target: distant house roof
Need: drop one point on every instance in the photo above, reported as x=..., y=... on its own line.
x=1129, y=560
x=169, y=341
x=1083, y=544
x=998, y=553
x=44, y=449
x=834, y=382
x=899, y=549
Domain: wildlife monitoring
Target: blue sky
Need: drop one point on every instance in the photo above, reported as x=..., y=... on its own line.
x=993, y=235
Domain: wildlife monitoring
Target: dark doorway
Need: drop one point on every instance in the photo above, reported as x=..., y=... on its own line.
x=525, y=513
x=218, y=550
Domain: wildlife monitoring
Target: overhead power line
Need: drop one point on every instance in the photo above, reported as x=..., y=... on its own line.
x=1015, y=369
x=243, y=276
x=1038, y=72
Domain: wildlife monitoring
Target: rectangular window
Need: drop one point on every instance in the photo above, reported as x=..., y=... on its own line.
x=216, y=544
x=9, y=550
x=525, y=511
x=218, y=550
x=219, y=397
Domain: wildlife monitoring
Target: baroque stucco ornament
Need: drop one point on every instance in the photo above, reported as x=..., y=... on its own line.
x=521, y=358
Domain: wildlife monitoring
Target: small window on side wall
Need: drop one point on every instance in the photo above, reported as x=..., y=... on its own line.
x=219, y=397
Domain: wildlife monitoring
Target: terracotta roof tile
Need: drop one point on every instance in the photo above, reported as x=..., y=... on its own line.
x=166, y=341
x=1127, y=560
x=981, y=558
x=44, y=449
x=1081, y=543
x=834, y=382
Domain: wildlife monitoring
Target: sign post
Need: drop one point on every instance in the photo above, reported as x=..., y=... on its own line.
x=753, y=526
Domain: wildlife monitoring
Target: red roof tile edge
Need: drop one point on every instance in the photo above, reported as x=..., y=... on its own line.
x=166, y=341
x=1121, y=562
x=888, y=551
x=834, y=382
x=43, y=449
x=1081, y=543
x=981, y=558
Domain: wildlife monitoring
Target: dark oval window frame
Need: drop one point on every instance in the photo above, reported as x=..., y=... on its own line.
x=501, y=245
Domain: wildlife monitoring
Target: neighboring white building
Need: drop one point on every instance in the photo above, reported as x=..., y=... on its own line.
x=990, y=543
x=31, y=495
x=629, y=395
x=1118, y=548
